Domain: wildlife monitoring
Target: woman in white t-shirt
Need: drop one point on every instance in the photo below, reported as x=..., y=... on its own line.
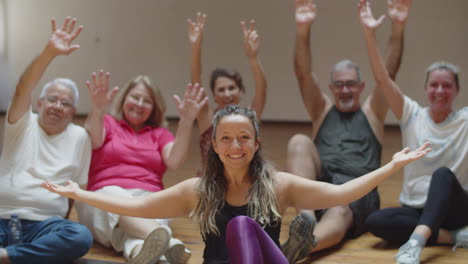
x=435, y=188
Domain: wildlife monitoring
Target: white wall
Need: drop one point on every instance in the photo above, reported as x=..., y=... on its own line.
x=149, y=37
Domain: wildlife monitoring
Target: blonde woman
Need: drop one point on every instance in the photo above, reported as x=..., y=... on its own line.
x=131, y=151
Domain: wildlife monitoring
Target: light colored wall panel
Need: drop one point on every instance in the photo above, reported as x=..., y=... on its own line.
x=149, y=37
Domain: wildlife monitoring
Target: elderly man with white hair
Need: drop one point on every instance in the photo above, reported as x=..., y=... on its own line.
x=43, y=146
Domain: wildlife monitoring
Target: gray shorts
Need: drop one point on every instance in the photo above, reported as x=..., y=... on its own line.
x=361, y=208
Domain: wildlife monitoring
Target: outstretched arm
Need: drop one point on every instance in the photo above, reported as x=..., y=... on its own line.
x=175, y=201
x=391, y=91
x=398, y=11
x=59, y=44
x=314, y=100
x=101, y=97
x=251, y=45
x=309, y=194
x=174, y=153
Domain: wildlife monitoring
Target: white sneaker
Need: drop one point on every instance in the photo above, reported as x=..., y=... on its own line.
x=409, y=253
x=177, y=253
x=153, y=248
x=461, y=239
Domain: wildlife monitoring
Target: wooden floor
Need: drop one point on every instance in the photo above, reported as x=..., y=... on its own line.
x=365, y=249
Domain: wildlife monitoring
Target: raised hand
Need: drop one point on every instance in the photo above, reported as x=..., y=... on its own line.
x=306, y=12
x=195, y=28
x=251, y=40
x=61, y=39
x=398, y=10
x=70, y=190
x=99, y=91
x=194, y=99
x=366, y=18
x=406, y=156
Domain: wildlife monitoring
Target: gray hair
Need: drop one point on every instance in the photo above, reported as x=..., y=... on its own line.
x=67, y=83
x=443, y=65
x=345, y=64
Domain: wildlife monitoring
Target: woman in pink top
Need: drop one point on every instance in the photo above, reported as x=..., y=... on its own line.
x=131, y=151
x=226, y=85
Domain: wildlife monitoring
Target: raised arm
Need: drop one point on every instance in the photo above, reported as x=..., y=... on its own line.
x=194, y=99
x=398, y=11
x=251, y=45
x=175, y=201
x=391, y=91
x=309, y=194
x=58, y=44
x=101, y=97
x=195, y=36
x=313, y=98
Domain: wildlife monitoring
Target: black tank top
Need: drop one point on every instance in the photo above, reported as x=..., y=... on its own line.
x=347, y=145
x=215, y=246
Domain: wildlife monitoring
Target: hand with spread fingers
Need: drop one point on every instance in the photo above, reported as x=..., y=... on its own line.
x=398, y=10
x=368, y=22
x=194, y=99
x=195, y=29
x=101, y=96
x=61, y=39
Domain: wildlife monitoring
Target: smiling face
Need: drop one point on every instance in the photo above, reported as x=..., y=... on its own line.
x=137, y=106
x=235, y=141
x=56, y=109
x=346, y=89
x=441, y=90
x=226, y=92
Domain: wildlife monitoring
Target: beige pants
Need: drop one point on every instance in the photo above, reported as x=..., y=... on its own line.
x=103, y=225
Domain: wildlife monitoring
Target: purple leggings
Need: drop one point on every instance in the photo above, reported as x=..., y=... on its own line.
x=248, y=243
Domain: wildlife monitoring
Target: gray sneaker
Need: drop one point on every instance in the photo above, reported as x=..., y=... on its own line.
x=177, y=253
x=409, y=253
x=301, y=238
x=461, y=240
x=153, y=248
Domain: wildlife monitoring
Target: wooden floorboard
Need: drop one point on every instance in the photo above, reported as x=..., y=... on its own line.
x=365, y=249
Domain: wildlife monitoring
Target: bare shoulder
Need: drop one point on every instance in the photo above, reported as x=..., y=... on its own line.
x=284, y=179
x=376, y=124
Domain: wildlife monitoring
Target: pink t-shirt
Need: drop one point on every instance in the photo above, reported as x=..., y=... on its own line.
x=129, y=159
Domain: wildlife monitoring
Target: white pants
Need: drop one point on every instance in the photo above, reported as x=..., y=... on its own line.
x=103, y=225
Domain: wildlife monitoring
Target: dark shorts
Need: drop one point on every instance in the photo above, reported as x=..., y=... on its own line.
x=361, y=208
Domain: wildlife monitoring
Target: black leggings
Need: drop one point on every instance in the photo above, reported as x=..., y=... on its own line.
x=446, y=207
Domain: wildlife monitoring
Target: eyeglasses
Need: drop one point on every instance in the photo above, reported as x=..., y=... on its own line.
x=341, y=84
x=67, y=104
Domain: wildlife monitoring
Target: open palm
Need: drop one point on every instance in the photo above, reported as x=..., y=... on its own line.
x=195, y=28
x=366, y=17
x=194, y=99
x=99, y=91
x=398, y=10
x=70, y=190
x=61, y=39
x=407, y=156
